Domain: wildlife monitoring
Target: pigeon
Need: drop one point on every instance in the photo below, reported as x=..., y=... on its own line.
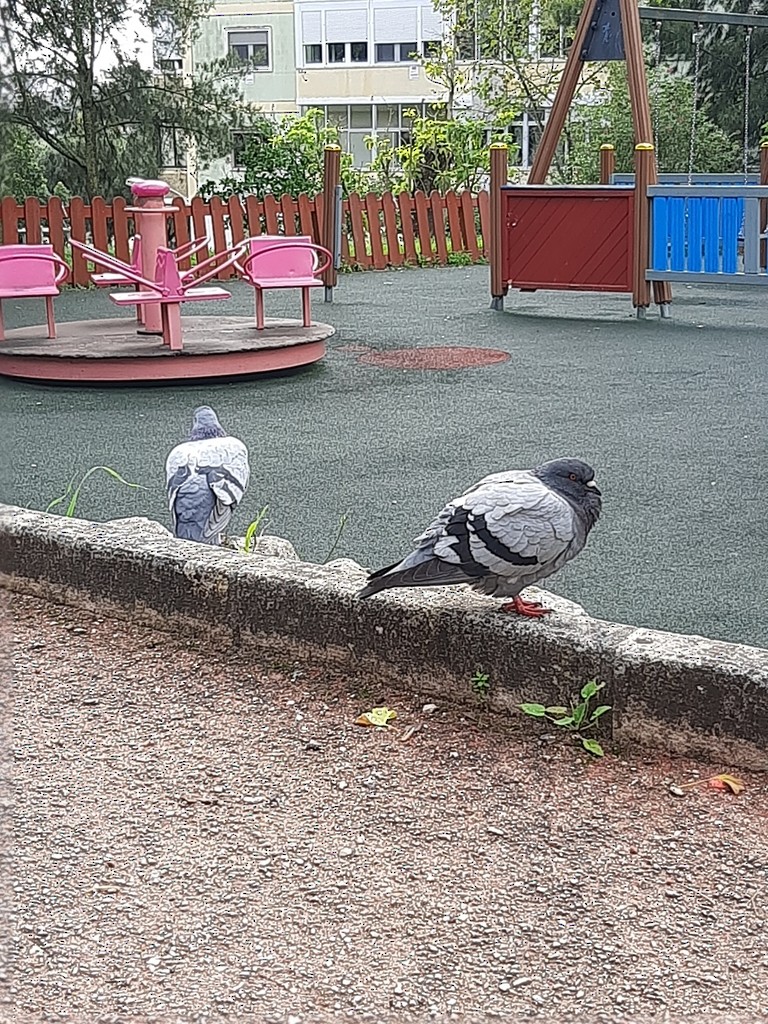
x=206, y=478
x=508, y=531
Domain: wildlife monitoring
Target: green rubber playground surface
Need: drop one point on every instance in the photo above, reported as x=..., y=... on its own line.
x=672, y=415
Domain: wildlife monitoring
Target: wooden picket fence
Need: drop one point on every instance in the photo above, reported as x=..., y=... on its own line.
x=377, y=231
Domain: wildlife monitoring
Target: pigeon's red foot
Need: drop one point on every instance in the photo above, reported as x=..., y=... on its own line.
x=530, y=609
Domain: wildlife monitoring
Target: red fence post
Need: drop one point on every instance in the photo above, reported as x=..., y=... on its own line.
x=499, y=178
x=641, y=292
x=764, y=202
x=607, y=163
x=331, y=178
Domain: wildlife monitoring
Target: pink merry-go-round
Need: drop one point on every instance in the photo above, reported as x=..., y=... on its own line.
x=156, y=343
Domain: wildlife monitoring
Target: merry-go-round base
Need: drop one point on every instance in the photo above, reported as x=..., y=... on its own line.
x=114, y=352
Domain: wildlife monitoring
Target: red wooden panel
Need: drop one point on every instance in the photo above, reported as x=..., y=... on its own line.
x=437, y=205
x=253, y=210
x=77, y=216
x=362, y=259
x=484, y=209
x=120, y=229
x=56, y=225
x=9, y=217
x=319, y=213
x=345, y=257
x=405, y=202
x=199, y=226
x=391, y=234
x=32, y=221
x=373, y=209
x=218, y=224
x=421, y=205
x=576, y=239
x=99, y=228
x=271, y=210
x=468, y=206
x=306, y=222
x=181, y=228
x=236, y=219
x=454, y=221
x=288, y=207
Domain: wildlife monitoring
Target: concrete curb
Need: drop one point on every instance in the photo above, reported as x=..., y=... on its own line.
x=683, y=694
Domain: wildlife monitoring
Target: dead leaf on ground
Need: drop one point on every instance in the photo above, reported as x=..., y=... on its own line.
x=379, y=717
x=723, y=781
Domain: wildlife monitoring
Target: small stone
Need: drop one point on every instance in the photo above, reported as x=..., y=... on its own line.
x=313, y=745
x=293, y=1019
x=342, y=784
x=676, y=791
x=496, y=831
x=521, y=981
x=346, y=851
x=547, y=737
x=504, y=986
x=429, y=709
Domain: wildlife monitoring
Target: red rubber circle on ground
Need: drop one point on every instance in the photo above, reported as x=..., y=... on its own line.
x=441, y=358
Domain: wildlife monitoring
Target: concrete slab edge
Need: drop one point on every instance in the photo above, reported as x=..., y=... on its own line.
x=682, y=694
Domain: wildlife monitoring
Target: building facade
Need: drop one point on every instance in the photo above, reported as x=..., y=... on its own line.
x=359, y=61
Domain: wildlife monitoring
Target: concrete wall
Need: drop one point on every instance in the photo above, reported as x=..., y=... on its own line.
x=678, y=693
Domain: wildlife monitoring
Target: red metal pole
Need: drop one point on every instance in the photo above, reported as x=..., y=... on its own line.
x=499, y=178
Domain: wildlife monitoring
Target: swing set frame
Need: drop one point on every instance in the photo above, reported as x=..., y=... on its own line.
x=594, y=238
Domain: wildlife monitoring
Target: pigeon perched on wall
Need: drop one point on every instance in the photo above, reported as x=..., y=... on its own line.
x=508, y=531
x=206, y=478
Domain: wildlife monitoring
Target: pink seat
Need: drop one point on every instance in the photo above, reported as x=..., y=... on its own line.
x=282, y=261
x=29, y=272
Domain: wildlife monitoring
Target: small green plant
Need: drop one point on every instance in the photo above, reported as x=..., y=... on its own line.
x=480, y=683
x=72, y=493
x=459, y=259
x=339, y=531
x=255, y=529
x=578, y=718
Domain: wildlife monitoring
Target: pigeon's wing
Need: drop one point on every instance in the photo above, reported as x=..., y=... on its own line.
x=509, y=525
x=205, y=481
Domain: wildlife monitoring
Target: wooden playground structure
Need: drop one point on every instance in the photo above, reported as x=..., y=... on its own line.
x=631, y=234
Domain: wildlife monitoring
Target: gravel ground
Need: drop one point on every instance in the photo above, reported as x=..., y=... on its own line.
x=200, y=837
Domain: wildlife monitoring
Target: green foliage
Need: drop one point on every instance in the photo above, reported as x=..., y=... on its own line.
x=480, y=683
x=101, y=127
x=343, y=519
x=255, y=529
x=282, y=157
x=611, y=121
x=72, y=494
x=22, y=163
x=577, y=719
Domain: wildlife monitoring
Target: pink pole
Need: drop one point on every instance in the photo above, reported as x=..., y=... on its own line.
x=150, y=224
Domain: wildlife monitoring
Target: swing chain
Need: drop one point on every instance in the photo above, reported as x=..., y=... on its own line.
x=747, y=76
x=695, y=104
x=657, y=89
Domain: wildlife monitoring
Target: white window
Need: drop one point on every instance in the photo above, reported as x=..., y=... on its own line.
x=379, y=33
x=253, y=47
x=362, y=125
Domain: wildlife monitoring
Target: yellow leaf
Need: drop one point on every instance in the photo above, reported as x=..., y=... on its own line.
x=724, y=781
x=376, y=716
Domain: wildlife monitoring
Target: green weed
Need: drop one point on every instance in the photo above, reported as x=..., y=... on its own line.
x=578, y=718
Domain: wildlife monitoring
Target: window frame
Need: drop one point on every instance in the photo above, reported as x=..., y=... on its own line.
x=251, y=68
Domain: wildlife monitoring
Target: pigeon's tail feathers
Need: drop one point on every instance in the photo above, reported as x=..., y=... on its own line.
x=197, y=513
x=431, y=572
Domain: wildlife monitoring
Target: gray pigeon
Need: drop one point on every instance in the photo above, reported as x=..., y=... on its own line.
x=508, y=531
x=206, y=478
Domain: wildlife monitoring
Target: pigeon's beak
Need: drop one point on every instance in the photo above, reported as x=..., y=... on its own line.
x=595, y=488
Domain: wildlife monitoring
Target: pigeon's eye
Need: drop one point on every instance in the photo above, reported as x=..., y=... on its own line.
x=572, y=476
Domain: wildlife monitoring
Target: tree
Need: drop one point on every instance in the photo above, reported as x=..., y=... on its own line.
x=610, y=121
x=102, y=128
x=722, y=64
x=22, y=163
